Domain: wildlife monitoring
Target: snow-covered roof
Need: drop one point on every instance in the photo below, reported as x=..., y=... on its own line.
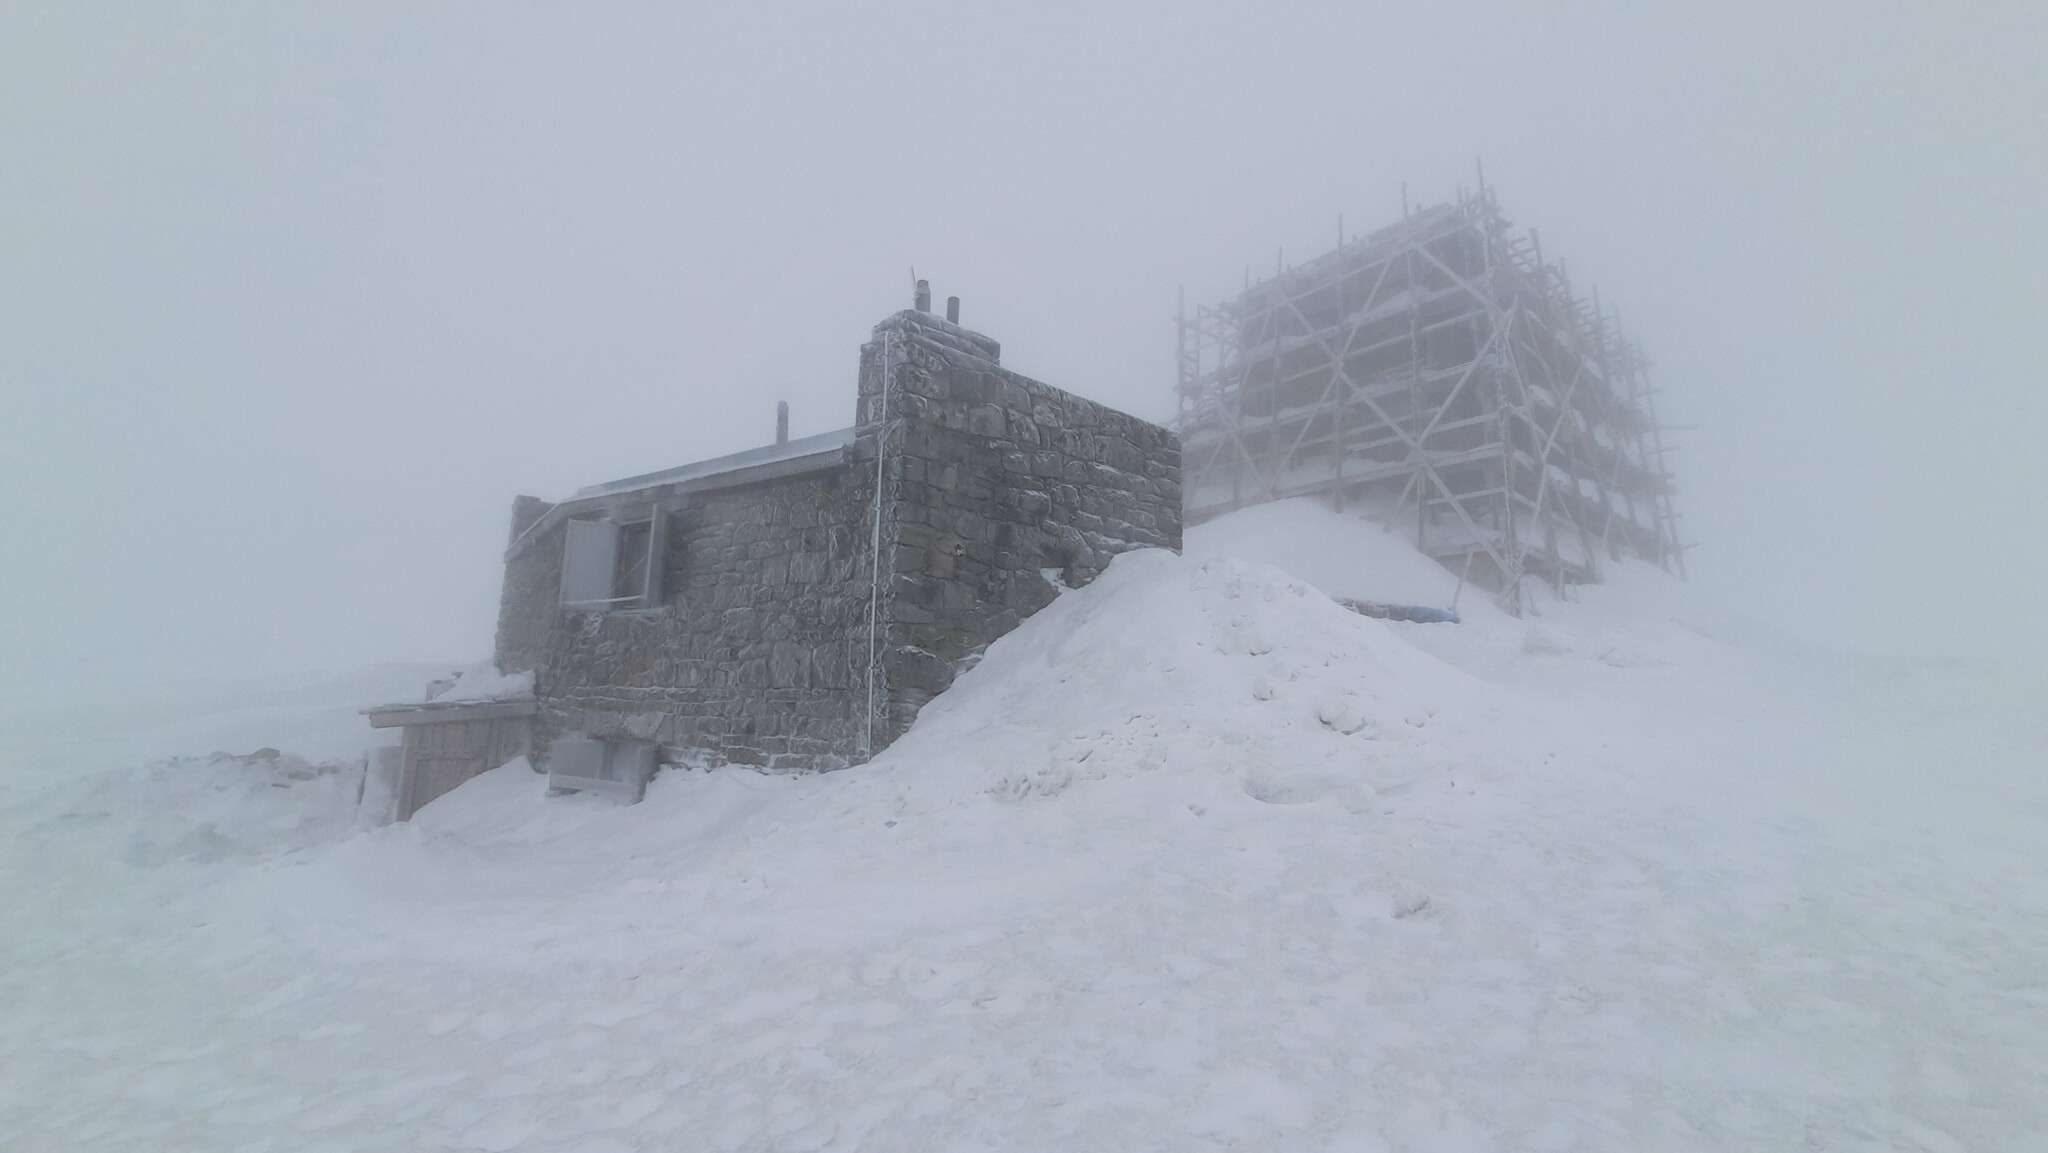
x=477, y=692
x=805, y=454
x=823, y=444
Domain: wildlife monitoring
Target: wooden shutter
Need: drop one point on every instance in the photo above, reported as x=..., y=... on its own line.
x=587, y=559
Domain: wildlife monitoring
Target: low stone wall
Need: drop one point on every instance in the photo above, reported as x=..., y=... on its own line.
x=997, y=489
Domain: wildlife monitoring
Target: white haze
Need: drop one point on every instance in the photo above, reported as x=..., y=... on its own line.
x=292, y=303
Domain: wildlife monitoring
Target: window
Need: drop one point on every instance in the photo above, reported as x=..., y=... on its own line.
x=629, y=577
x=614, y=564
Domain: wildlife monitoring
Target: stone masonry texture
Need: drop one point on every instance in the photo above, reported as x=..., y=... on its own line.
x=996, y=490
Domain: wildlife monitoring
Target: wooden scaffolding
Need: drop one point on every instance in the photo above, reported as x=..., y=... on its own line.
x=1441, y=369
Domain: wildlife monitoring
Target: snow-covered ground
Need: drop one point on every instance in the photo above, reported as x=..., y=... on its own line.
x=1195, y=859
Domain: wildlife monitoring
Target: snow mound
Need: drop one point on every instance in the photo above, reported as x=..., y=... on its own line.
x=1213, y=666
x=1343, y=554
x=204, y=809
x=1193, y=859
x=1635, y=617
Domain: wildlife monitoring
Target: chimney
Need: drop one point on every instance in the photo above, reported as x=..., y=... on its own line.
x=952, y=310
x=923, y=300
x=781, y=422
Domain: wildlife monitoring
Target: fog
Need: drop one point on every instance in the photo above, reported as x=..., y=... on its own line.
x=293, y=303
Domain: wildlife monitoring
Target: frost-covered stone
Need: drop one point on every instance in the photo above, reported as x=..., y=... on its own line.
x=760, y=651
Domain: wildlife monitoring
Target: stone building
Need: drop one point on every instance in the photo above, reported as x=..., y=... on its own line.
x=794, y=606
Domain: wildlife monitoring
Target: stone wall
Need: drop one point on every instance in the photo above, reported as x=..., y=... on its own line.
x=527, y=603
x=753, y=655
x=997, y=491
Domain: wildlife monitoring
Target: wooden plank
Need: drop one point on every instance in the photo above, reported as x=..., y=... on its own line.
x=408, y=776
x=404, y=716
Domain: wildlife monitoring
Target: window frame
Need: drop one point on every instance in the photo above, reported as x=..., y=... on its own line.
x=623, y=563
x=581, y=566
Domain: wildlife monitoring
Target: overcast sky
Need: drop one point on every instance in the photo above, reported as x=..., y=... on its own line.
x=293, y=299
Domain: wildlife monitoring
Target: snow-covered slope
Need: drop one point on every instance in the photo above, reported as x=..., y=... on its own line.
x=1343, y=555
x=1194, y=859
x=1218, y=667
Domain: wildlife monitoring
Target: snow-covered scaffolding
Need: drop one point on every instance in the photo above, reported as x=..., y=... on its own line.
x=1440, y=366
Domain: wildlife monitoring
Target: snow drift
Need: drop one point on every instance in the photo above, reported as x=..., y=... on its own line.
x=1193, y=859
x=1216, y=666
